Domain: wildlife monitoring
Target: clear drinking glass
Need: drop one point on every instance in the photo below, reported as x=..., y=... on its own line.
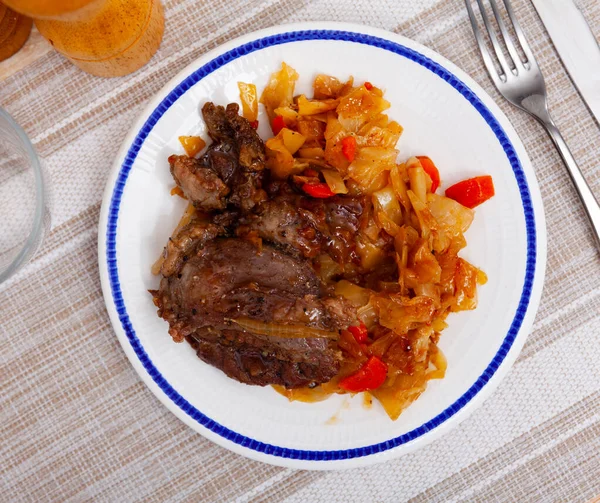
x=108, y=38
x=24, y=215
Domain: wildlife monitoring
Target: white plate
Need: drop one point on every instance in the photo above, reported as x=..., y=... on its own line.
x=447, y=116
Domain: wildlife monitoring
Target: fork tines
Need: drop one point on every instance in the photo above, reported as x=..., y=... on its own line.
x=514, y=62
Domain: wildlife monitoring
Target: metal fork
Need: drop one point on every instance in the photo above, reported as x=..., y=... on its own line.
x=521, y=82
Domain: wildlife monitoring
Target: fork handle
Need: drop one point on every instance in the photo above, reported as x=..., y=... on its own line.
x=590, y=203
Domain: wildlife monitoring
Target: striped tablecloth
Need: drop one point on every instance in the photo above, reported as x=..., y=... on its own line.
x=77, y=423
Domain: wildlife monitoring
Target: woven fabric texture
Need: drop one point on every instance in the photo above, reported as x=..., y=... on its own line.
x=77, y=423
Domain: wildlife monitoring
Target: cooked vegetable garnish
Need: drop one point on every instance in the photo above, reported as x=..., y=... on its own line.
x=278, y=124
x=285, y=331
x=369, y=377
x=318, y=190
x=353, y=146
x=472, y=192
x=280, y=90
x=334, y=181
x=249, y=100
x=431, y=170
x=192, y=144
x=176, y=191
x=349, y=147
x=359, y=332
x=321, y=237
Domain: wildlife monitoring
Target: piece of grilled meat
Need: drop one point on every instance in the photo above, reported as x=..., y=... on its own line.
x=229, y=279
x=231, y=171
x=251, y=258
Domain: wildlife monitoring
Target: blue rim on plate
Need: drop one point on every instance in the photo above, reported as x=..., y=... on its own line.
x=207, y=69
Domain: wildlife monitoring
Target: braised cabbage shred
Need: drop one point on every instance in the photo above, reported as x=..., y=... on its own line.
x=413, y=233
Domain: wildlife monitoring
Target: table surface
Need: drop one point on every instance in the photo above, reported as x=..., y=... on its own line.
x=77, y=423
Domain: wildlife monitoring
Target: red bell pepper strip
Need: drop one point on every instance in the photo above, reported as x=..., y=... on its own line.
x=472, y=192
x=278, y=124
x=370, y=376
x=254, y=124
x=431, y=170
x=359, y=332
x=369, y=86
x=318, y=190
x=349, y=147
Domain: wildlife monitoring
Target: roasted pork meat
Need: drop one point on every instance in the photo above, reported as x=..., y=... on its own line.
x=249, y=257
x=229, y=279
x=231, y=171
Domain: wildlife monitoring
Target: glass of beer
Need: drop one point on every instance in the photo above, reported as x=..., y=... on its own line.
x=14, y=31
x=108, y=38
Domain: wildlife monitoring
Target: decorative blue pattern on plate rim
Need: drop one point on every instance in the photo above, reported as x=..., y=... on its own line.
x=180, y=89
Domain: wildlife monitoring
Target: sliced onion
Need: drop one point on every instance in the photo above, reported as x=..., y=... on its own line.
x=279, y=92
x=287, y=113
x=417, y=178
x=454, y=218
x=387, y=224
x=429, y=290
x=439, y=324
x=438, y=360
x=334, y=181
x=291, y=140
x=284, y=331
x=186, y=218
x=385, y=200
x=420, y=342
x=279, y=160
x=311, y=152
x=401, y=314
x=326, y=87
x=157, y=266
x=370, y=167
x=399, y=185
x=426, y=221
x=188, y=215
x=314, y=107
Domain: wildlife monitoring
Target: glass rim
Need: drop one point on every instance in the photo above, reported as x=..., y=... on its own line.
x=32, y=241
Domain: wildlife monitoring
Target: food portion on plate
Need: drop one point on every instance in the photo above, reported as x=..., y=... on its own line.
x=314, y=261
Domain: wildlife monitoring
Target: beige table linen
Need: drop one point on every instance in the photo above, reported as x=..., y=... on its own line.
x=77, y=423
